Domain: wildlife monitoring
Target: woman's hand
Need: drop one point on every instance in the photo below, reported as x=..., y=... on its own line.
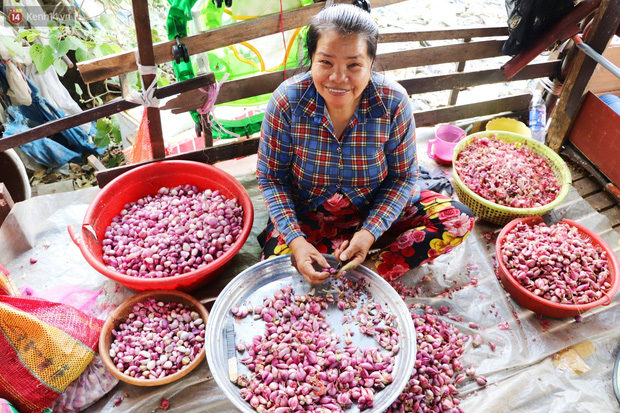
x=355, y=250
x=305, y=255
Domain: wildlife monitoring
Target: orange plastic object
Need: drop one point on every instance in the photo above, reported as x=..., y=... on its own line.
x=147, y=180
x=541, y=305
x=141, y=150
x=595, y=133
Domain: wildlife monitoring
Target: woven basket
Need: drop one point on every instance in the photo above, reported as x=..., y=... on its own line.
x=499, y=214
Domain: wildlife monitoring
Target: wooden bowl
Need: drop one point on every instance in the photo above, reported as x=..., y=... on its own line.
x=120, y=314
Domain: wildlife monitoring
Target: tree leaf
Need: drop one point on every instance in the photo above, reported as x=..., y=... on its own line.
x=42, y=56
x=26, y=34
x=162, y=81
x=101, y=140
x=103, y=126
x=82, y=55
x=106, y=49
x=116, y=133
x=73, y=43
x=62, y=47
x=116, y=48
x=78, y=89
x=115, y=160
x=55, y=42
x=14, y=47
x=61, y=67
x=96, y=50
x=108, y=21
x=115, y=121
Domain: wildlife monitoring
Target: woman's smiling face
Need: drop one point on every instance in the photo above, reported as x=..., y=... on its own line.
x=341, y=69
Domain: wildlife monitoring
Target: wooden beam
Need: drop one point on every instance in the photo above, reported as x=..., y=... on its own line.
x=210, y=155
x=147, y=59
x=229, y=91
x=96, y=163
x=459, y=112
x=265, y=83
x=440, y=54
x=443, y=34
x=604, y=25
x=113, y=65
x=476, y=78
x=56, y=126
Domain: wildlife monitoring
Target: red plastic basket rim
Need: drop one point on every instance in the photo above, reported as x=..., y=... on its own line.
x=594, y=237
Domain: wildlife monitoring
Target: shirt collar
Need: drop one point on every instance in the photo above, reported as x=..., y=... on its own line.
x=311, y=104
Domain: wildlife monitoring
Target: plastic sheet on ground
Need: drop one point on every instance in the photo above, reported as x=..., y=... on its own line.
x=521, y=372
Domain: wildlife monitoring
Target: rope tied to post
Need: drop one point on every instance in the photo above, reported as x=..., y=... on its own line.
x=147, y=97
x=212, y=91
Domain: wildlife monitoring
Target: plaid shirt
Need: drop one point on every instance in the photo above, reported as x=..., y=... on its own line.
x=301, y=163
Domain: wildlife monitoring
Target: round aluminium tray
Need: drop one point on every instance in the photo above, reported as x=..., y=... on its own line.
x=262, y=280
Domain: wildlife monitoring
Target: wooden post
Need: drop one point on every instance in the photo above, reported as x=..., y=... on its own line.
x=603, y=27
x=147, y=58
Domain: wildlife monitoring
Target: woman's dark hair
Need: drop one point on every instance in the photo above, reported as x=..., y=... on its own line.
x=345, y=19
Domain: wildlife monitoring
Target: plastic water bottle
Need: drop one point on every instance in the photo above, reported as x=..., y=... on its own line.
x=538, y=116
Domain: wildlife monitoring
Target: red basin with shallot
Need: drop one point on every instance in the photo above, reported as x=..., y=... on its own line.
x=565, y=279
x=145, y=182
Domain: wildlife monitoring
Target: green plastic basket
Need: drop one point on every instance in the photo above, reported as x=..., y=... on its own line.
x=499, y=214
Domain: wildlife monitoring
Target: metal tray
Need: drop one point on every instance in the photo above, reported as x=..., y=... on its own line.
x=262, y=280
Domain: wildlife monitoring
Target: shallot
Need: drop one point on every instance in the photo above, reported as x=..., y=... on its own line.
x=556, y=262
x=157, y=339
x=506, y=173
x=173, y=232
x=432, y=385
x=301, y=364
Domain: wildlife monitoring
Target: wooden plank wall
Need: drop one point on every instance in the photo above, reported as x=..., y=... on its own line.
x=478, y=46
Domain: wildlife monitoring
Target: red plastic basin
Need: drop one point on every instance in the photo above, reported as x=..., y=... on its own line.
x=541, y=305
x=147, y=180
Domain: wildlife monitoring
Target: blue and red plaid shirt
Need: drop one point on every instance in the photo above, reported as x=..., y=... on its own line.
x=301, y=162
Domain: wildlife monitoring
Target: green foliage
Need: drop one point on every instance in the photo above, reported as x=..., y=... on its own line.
x=42, y=56
x=12, y=45
x=110, y=32
x=115, y=159
x=108, y=130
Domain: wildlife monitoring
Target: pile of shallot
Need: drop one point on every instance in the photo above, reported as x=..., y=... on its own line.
x=432, y=385
x=507, y=174
x=556, y=262
x=301, y=364
x=173, y=232
x=157, y=339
